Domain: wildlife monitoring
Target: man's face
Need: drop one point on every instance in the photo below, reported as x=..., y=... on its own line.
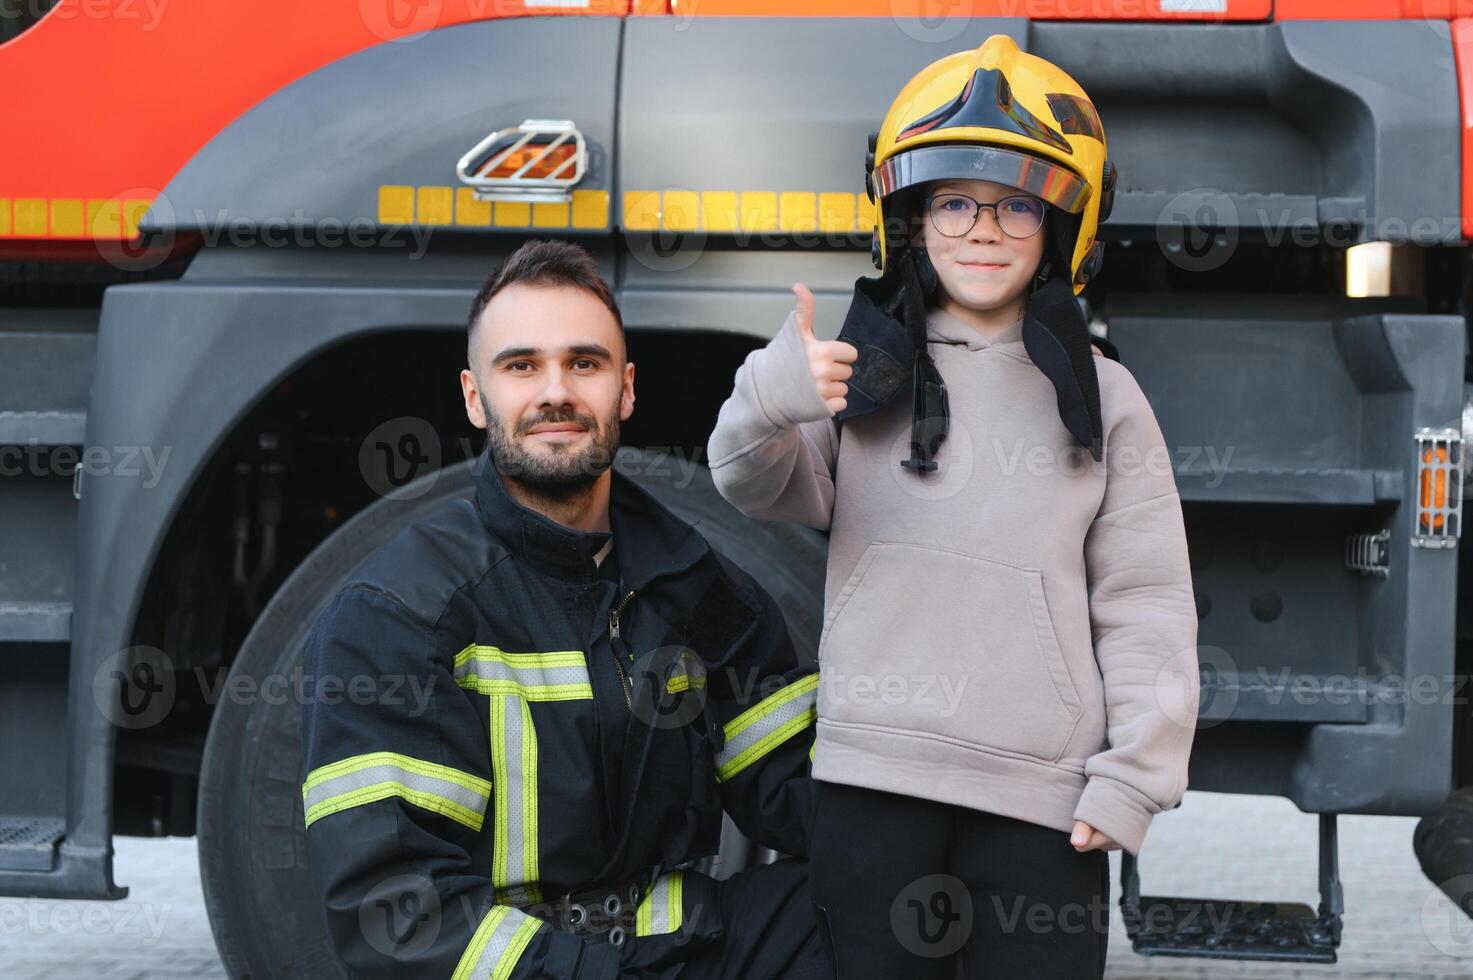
x=550, y=386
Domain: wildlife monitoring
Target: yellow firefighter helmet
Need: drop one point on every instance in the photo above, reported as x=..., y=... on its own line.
x=999, y=114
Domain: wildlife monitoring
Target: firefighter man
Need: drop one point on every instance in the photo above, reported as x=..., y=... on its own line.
x=602, y=684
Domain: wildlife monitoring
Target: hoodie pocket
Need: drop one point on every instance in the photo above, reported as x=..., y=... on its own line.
x=962, y=646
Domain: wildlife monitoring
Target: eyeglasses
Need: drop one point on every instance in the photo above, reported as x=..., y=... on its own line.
x=953, y=215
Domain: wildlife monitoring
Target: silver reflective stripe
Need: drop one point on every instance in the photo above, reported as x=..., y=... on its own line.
x=760, y=729
x=376, y=776
x=364, y=778
x=496, y=670
x=663, y=908
x=498, y=943
x=552, y=676
x=514, y=779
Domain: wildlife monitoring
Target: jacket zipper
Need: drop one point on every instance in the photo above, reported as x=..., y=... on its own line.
x=615, y=641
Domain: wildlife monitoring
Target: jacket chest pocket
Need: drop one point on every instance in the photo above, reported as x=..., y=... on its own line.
x=668, y=760
x=686, y=692
x=962, y=646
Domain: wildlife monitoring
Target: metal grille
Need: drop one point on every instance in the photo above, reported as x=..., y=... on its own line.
x=1369, y=554
x=1439, y=520
x=536, y=140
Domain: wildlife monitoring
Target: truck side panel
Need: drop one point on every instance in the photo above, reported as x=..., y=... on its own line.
x=373, y=139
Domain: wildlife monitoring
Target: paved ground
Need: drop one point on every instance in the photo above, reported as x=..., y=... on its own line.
x=159, y=930
x=1397, y=924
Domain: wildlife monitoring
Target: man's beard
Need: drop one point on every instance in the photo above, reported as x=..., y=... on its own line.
x=560, y=473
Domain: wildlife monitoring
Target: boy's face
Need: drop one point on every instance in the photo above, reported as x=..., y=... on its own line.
x=984, y=268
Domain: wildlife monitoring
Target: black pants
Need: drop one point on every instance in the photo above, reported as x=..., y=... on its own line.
x=907, y=885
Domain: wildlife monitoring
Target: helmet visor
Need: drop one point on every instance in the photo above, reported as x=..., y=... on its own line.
x=1057, y=185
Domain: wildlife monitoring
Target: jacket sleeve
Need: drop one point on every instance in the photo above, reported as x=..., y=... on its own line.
x=773, y=449
x=396, y=792
x=765, y=702
x=1144, y=621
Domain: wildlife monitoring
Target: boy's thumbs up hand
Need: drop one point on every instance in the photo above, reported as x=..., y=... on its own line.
x=828, y=360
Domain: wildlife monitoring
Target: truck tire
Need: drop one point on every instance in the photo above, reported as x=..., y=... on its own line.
x=252, y=843
x=1441, y=843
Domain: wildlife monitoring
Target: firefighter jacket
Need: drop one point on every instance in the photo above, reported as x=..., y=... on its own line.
x=508, y=725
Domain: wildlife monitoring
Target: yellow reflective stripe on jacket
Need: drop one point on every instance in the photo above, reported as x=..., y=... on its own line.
x=662, y=909
x=766, y=725
x=498, y=943
x=514, y=862
x=379, y=775
x=682, y=678
x=560, y=675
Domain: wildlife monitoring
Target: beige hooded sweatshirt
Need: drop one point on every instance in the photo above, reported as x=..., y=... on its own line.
x=1014, y=632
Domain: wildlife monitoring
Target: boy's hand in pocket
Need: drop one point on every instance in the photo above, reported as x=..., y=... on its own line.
x=829, y=361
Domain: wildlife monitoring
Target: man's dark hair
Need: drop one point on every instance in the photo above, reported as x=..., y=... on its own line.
x=544, y=263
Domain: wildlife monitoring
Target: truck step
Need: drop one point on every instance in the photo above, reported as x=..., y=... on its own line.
x=29, y=843
x=42, y=428
x=45, y=373
x=35, y=622
x=45, y=378
x=1227, y=929
x=1240, y=930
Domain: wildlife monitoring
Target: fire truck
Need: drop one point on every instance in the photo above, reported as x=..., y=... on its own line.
x=238, y=243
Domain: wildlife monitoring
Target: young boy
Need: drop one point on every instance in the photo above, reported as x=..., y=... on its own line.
x=1008, y=656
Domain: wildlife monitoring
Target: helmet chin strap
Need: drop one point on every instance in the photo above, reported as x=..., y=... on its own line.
x=930, y=411
x=1044, y=269
x=1058, y=342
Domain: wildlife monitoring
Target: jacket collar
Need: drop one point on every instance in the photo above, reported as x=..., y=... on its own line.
x=943, y=328
x=649, y=539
